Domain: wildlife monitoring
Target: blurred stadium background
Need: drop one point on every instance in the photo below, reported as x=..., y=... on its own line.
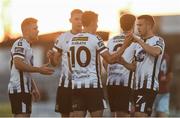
x=53, y=20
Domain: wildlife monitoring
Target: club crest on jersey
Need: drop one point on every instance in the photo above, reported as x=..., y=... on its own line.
x=140, y=56
x=19, y=49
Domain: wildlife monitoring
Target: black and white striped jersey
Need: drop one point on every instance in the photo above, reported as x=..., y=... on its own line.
x=117, y=73
x=62, y=44
x=85, y=50
x=20, y=81
x=148, y=66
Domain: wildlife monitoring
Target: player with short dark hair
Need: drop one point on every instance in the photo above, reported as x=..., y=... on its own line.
x=149, y=52
x=118, y=75
x=85, y=50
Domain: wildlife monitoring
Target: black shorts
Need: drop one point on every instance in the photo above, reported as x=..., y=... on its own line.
x=64, y=100
x=21, y=103
x=119, y=98
x=144, y=99
x=90, y=99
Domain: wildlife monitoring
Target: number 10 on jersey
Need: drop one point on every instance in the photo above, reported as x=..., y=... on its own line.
x=76, y=56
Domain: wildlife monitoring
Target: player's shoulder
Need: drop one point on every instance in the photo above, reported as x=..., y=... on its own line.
x=64, y=34
x=20, y=46
x=153, y=38
x=120, y=36
x=21, y=42
x=156, y=39
x=117, y=38
x=89, y=35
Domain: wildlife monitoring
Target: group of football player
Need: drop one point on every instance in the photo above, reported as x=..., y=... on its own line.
x=134, y=65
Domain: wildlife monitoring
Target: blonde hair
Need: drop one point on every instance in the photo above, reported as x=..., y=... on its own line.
x=28, y=21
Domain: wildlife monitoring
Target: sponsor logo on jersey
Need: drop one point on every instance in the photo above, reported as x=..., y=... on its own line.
x=80, y=39
x=140, y=56
x=19, y=49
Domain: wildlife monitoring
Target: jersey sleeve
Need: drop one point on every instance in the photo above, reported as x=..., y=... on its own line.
x=100, y=45
x=19, y=50
x=159, y=43
x=58, y=45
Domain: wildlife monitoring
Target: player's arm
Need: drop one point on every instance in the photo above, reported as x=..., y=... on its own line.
x=127, y=42
x=105, y=64
x=169, y=75
x=55, y=56
x=110, y=58
x=129, y=66
x=21, y=65
x=152, y=50
x=35, y=91
x=114, y=57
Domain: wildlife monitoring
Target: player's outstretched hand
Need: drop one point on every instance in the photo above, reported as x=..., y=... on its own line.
x=46, y=70
x=36, y=95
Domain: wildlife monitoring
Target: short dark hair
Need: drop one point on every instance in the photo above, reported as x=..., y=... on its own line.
x=28, y=21
x=127, y=22
x=88, y=17
x=76, y=11
x=148, y=18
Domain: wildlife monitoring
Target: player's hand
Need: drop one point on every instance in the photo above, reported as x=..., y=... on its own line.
x=36, y=95
x=50, y=54
x=136, y=38
x=128, y=39
x=46, y=70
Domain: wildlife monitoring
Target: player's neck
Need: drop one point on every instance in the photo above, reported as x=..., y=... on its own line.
x=148, y=35
x=27, y=39
x=73, y=31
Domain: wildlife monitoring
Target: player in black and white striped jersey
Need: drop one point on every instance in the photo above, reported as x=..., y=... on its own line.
x=149, y=51
x=59, y=57
x=85, y=50
x=118, y=76
x=21, y=85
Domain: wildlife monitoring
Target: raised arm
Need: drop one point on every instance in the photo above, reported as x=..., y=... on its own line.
x=55, y=57
x=152, y=50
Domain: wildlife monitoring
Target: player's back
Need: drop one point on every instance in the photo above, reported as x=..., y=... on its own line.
x=84, y=54
x=117, y=73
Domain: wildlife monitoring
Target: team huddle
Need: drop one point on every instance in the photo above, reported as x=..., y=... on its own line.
x=132, y=63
